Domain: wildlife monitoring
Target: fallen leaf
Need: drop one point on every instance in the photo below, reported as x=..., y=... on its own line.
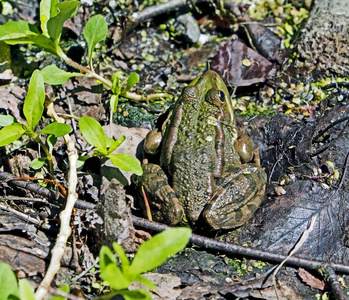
x=231, y=64
x=311, y=280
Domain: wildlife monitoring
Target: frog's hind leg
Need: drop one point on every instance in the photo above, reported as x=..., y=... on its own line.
x=237, y=197
x=164, y=204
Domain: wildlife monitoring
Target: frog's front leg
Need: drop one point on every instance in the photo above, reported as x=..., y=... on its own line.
x=237, y=197
x=163, y=202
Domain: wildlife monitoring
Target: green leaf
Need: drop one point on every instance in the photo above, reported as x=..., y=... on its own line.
x=155, y=251
x=93, y=132
x=110, y=141
x=21, y=32
x=106, y=257
x=289, y=28
x=126, y=162
x=55, y=128
x=6, y=120
x=51, y=141
x=41, y=41
x=116, y=86
x=34, y=102
x=11, y=133
x=37, y=163
x=110, y=272
x=81, y=161
x=26, y=291
x=55, y=76
x=67, y=10
x=125, y=264
x=116, y=279
x=95, y=31
x=114, y=102
x=17, y=29
x=8, y=283
x=131, y=81
x=116, y=144
x=100, y=151
x=47, y=10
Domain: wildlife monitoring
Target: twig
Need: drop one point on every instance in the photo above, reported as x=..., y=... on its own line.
x=344, y=173
x=25, y=199
x=19, y=214
x=160, y=9
x=245, y=251
x=321, y=132
x=299, y=244
x=175, y=5
x=64, y=192
x=82, y=274
x=331, y=277
x=33, y=187
x=65, y=215
x=51, y=195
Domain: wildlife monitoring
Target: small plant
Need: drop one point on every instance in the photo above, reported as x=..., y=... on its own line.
x=91, y=129
x=10, y=289
x=94, y=134
x=149, y=256
x=53, y=14
x=33, y=109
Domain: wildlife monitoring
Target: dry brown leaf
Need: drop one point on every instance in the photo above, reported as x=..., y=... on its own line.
x=311, y=280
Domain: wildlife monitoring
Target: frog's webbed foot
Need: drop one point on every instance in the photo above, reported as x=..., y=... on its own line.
x=163, y=202
x=237, y=197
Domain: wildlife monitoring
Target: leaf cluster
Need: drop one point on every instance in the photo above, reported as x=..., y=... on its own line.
x=94, y=134
x=53, y=14
x=11, y=290
x=149, y=256
x=33, y=109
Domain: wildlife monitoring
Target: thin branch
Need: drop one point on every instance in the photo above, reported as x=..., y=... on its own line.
x=336, y=288
x=245, y=251
x=52, y=196
x=175, y=5
x=65, y=216
x=19, y=214
x=299, y=244
x=25, y=199
x=321, y=132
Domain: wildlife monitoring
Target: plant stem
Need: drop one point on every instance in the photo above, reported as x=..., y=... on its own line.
x=137, y=97
x=107, y=82
x=84, y=69
x=48, y=155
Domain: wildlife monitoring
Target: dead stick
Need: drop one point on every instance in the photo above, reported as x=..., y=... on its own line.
x=245, y=251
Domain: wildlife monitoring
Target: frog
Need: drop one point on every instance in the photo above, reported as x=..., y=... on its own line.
x=205, y=169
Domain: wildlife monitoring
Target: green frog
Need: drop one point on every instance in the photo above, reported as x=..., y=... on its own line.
x=207, y=169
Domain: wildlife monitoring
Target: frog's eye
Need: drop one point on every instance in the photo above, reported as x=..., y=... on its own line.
x=222, y=96
x=215, y=97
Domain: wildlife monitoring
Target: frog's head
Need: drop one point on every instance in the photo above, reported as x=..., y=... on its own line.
x=211, y=84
